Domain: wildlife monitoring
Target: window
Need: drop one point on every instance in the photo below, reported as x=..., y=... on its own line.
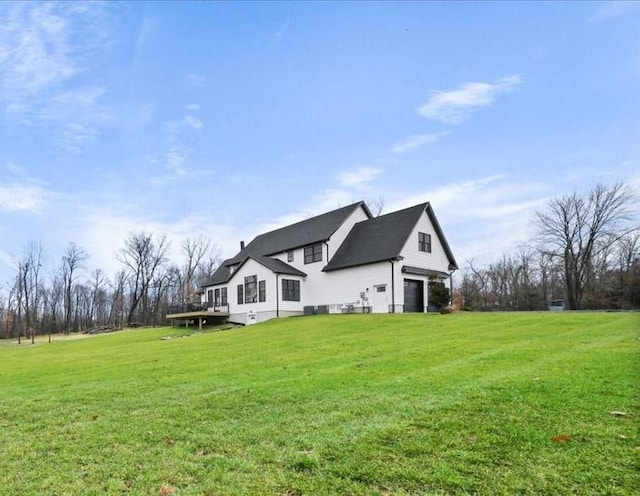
x=217, y=300
x=240, y=294
x=209, y=296
x=262, y=291
x=290, y=256
x=313, y=253
x=251, y=289
x=290, y=290
x=381, y=289
x=424, y=242
x=223, y=297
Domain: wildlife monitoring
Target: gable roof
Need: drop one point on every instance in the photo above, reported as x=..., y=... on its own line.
x=278, y=266
x=223, y=274
x=306, y=232
x=303, y=233
x=382, y=238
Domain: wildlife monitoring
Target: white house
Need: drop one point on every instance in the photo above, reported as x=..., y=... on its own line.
x=345, y=260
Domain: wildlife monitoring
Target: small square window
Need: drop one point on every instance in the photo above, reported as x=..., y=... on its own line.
x=290, y=256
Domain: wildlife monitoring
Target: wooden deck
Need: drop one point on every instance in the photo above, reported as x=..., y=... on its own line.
x=200, y=316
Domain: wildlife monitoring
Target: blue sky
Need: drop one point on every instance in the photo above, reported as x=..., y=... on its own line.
x=229, y=119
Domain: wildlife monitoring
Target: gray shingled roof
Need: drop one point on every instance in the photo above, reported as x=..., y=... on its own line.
x=223, y=274
x=382, y=238
x=278, y=266
x=303, y=233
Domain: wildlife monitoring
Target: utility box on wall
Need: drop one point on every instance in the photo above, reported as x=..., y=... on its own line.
x=252, y=318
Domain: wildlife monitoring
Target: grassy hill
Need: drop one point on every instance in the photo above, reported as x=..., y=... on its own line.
x=354, y=404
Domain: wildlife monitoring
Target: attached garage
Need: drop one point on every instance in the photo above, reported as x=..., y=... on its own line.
x=413, y=296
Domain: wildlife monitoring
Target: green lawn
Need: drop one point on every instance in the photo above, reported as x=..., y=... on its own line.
x=347, y=404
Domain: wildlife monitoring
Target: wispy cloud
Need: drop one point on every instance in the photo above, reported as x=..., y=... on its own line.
x=610, y=10
x=482, y=217
x=358, y=177
x=22, y=193
x=282, y=29
x=193, y=122
x=179, y=136
x=22, y=198
x=196, y=80
x=35, y=48
x=41, y=56
x=417, y=141
x=455, y=106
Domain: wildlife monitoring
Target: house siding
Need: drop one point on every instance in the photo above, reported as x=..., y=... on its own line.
x=352, y=288
x=264, y=310
x=412, y=256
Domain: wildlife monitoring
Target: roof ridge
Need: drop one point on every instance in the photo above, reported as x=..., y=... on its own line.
x=352, y=205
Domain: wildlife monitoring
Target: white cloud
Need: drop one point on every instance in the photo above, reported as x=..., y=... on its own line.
x=417, y=140
x=358, y=177
x=192, y=107
x=16, y=169
x=35, y=52
x=175, y=161
x=455, y=106
x=41, y=56
x=22, y=198
x=482, y=218
x=102, y=232
x=609, y=10
x=195, y=80
x=282, y=29
x=193, y=122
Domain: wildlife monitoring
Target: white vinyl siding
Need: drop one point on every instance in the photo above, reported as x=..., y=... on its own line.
x=436, y=260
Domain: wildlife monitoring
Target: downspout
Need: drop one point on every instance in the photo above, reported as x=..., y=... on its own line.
x=393, y=289
x=451, y=271
x=277, y=297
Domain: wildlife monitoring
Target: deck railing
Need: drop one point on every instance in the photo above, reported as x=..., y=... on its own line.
x=207, y=306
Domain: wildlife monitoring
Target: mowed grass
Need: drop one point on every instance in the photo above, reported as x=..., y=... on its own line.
x=367, y=405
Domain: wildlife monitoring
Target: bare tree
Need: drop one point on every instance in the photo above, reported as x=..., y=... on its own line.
x=376, y=205
x=97, y=310
x=72, y=261
x=574, y=228
x=116, y=312
x=29, y=286
x=142, y=258
x=195, y=252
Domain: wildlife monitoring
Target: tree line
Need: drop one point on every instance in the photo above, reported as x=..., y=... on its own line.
x=586, y=251
x=68, y=298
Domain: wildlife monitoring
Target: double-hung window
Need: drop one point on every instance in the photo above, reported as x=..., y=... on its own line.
x=240, y=294
x=223, y=297
x=251, y=289
x=262, y=291
x=290, y=290
x=313, y=253
x=424, y=242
